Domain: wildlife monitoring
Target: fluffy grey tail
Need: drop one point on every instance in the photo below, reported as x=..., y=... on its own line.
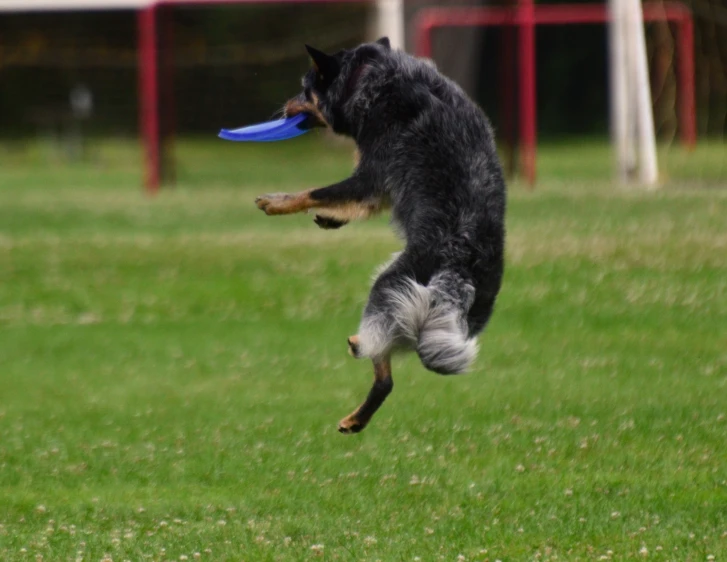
x=443, y=346
x=431, y=319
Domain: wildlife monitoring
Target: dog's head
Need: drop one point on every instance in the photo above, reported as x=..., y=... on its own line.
x=332, y=82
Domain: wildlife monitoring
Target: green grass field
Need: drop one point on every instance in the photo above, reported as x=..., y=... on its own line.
x=172, y=371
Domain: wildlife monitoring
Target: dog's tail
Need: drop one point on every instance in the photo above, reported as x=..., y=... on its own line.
x=433, y=319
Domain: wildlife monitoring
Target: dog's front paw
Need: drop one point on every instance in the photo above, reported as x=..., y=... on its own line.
x=273, y=203
x=328, y=223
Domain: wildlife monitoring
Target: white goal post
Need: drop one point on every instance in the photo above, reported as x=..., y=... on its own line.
x=390, y=21
x=632, y=121
x=67, y=5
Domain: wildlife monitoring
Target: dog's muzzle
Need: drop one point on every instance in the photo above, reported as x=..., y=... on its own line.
x=300, y=104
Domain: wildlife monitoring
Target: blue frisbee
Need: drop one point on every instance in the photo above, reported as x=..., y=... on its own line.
x=281, y=129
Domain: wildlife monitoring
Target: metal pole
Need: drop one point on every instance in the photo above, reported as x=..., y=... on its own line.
x=528, y=118
x=391, y=22
x=648, y=172
x=149, y=96
x=619, y=88
x=685, y=62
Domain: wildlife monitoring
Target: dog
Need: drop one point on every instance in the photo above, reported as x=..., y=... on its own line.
x=427, y=153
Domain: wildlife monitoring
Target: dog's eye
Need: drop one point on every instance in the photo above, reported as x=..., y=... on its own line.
x=321, y=84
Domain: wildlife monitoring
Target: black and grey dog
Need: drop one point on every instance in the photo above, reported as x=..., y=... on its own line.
x=426, y=151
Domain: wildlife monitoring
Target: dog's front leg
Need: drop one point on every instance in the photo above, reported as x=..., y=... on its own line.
x=350, y=199
x=328, y=222
x=349, y=190
x=284, y=203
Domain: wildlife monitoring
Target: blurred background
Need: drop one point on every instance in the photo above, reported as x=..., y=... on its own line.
x=72, y=75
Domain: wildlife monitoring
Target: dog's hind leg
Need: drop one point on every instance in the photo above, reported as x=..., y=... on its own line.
x=383, y=384
x=353, y=347
x=378, y=335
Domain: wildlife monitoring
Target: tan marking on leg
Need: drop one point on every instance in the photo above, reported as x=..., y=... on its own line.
x=356, y=158
x=284, y=203
x=353, y=346
x=383, y=383
x=350, y=210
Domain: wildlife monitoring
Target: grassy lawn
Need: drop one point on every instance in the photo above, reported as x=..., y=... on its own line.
x=172, y=371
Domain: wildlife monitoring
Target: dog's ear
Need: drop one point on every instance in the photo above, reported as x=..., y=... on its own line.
x=326, y=66
x=384, y=41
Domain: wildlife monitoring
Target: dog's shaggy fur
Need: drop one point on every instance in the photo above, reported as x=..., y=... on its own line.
x=427, y=152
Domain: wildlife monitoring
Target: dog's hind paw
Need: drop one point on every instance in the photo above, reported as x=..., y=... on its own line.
x=327, y=223
x=350, y=424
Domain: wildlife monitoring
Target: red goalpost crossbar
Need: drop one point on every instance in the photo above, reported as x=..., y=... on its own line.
x=524, y=17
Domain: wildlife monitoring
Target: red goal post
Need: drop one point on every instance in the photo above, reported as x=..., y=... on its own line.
x=524, y=17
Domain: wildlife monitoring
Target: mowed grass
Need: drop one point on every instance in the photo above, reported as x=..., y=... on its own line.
x=172, y=371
